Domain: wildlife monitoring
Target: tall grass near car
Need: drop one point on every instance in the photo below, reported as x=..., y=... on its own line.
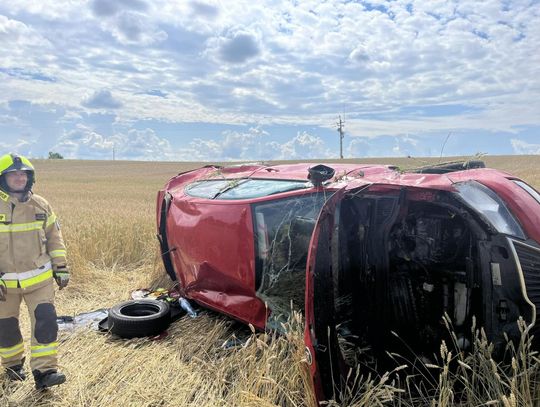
x=107, y=213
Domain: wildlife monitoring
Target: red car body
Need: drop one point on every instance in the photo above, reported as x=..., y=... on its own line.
x=369, y=234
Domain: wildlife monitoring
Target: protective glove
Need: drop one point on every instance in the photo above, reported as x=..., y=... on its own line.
x=61, y=276
x=3, y=290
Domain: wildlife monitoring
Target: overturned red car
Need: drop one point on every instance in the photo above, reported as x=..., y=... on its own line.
x=360, y=250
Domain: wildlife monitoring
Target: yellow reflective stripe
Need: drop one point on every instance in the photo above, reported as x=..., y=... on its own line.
x=41, y=354
x=3, y=196
x=44, y=350
x=12, y=351
x=57, y=253
x=21, y=227
x=37, y=279
x=27, y=274
x=44, y=346
x=28, y=278
x=50, y=220
x=11, y=283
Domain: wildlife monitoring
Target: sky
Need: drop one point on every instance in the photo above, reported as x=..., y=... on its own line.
x=211, y=80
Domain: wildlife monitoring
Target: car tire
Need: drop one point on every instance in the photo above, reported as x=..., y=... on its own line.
x=445, y=168
x=139, y=318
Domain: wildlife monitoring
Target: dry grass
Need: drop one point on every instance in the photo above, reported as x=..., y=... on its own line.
x=107, y=210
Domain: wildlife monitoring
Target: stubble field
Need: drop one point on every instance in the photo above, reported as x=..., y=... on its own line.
x=107, y=213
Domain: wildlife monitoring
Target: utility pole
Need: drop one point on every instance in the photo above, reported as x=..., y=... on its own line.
x=341, y=125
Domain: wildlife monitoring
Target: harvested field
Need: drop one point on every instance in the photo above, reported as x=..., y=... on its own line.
x=107, y=212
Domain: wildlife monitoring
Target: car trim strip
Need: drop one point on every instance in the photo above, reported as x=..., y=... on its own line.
x=522, y=278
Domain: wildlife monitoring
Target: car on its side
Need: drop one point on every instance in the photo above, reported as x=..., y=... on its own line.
x=360, y=250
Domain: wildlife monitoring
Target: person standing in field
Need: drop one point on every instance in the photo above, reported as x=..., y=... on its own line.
x=32, y=256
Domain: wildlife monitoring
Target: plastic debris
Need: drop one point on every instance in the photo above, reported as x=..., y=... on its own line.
x=89, y=320
x=186, y=306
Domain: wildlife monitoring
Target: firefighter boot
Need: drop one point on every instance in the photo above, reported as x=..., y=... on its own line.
x=16, y=373
x=48, y=378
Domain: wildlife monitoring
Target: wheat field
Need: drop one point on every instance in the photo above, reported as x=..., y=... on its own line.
x=107, y=213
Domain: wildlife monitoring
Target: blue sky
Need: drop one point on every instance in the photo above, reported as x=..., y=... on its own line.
x=221, y=80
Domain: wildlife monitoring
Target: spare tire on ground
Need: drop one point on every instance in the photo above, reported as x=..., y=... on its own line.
x=139, y=318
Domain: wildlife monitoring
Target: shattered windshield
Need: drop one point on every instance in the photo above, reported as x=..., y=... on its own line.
x=242, y=188
x=282, y=232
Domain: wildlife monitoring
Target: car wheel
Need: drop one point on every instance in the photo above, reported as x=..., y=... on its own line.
x=445, y=168
x=138, y=318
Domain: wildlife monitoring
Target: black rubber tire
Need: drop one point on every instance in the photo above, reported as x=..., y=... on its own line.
x=445, y=168
x=139, y=318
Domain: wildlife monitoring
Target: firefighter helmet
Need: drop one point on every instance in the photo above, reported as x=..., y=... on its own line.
x=15, y=162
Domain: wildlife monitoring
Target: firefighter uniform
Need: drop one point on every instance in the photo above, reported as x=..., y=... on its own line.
x=32, y=256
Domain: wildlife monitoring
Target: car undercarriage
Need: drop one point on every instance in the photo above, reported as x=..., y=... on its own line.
x=399, y=261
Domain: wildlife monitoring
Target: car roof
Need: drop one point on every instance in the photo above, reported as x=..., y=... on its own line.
x=348, y=175
x=298, y=171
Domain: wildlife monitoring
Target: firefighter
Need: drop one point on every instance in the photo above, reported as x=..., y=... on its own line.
x=32, y=256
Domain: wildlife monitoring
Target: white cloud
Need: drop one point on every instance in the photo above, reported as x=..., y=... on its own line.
x=133, y=145
x=279, y=62
x=14, y=35
x=135, y=28
x=304, y=145
x=522, y=147
x=255, y=145
x=142, y=145
x=101, y=99
x=84, y=143
x=20, y=146
x=250, y=145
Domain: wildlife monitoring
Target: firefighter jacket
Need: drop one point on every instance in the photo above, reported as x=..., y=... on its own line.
x=31, y=244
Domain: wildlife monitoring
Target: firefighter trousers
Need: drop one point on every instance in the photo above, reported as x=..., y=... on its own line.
x=44, y=348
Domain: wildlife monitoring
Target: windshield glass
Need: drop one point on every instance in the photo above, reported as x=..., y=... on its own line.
x=242, y=188
x=283, y=231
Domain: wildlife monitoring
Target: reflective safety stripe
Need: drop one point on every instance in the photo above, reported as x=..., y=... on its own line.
x=3, y=196
x=57, y=253
x=12, y=351
x=44, y=350
x=36, y=280
x=28, y=274
x=28, y=278
x=50, y=220
x=21, y=227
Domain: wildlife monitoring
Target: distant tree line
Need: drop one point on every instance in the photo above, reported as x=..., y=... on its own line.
x=55, y=156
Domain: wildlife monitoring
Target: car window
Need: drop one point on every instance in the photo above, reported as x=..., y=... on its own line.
x=242, y=188
x=282, y=232
x=533, y=192
x=207, y=188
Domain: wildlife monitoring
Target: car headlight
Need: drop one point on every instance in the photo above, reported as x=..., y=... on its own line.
x=489, y=204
